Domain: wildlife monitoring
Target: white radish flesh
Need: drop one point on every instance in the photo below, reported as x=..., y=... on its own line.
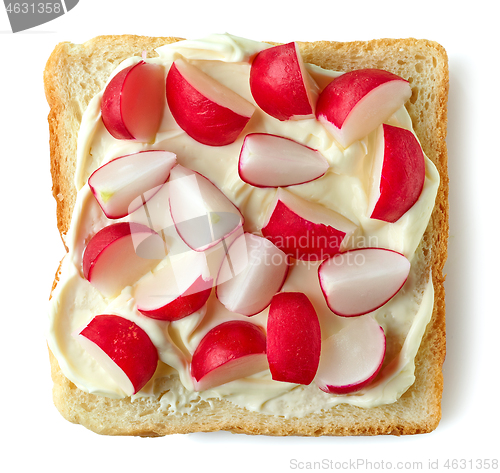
x=273, y=161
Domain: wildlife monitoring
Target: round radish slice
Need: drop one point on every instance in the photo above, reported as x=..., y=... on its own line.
x=360, y=281
x=252, y=272
x=128, y=182
x=133, y=102
x=274, y=161
x=351, y=358
x=230, y=351
x=202, y=214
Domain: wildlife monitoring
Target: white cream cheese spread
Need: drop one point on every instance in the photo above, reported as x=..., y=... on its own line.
x=344, y=188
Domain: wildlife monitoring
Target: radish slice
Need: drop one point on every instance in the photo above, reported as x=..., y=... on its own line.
x=280, y=84
x=177, y=290
x=351, y=358
x=123, y=350
x=118, y=184
x=202, y=214
x=119, y=254
x=398, y=174
x=252, y=272
x=133, y=102
x=360, y=281
x=274, y=161
x=293, y=338
x=230, y=351
x=206, y=110
x=357, y=102
x=305, y=230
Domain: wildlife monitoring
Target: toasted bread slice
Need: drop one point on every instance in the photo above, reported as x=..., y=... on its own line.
x=75, y=73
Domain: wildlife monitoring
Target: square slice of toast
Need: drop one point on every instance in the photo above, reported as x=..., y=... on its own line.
x=75, y=73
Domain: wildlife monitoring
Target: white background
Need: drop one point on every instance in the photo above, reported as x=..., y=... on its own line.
x=34, y=434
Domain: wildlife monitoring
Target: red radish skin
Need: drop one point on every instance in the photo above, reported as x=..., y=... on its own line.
x=349, y=388
x=300, y=238
x=253, y=271
x=293, y=338
x=133, y=102
x=126, y=344
x=280, y=85
x=190, y=301
x=204, y=120
x=356, y=102
x=230, y=351
x=274, y=161
x=111, y=106
x=186, y=304
x=110, y=261
x=403, y=174
x=178, y=289
x=359, y=83
x=131, y=196
x=361, y=281
x=352, y=358
x=104, y=238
